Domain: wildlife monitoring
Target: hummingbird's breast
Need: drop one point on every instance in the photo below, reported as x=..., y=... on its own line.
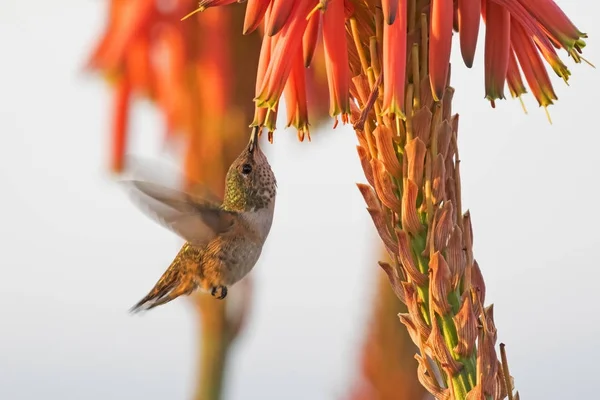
x=259, y=221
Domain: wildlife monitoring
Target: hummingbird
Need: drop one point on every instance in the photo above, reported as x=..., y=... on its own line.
x=223, y=240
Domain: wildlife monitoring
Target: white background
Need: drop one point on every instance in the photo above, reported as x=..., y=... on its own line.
x=75, y=254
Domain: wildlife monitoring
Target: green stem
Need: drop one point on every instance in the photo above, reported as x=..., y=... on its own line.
x=214, y=346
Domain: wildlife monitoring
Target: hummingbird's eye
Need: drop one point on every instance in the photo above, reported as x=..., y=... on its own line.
x=246, y=169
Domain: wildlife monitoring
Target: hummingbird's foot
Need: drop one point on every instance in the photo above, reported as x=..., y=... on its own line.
x=219, y=292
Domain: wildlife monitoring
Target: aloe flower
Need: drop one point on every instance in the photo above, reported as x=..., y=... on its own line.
x=388, y=72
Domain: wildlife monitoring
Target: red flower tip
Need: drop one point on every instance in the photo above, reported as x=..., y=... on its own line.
x=390, y=10
x=440, y=44
x=281, y=10
x=255, y=13
x=468, y=27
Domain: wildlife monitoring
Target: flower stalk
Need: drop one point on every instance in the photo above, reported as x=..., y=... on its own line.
x=414, y=198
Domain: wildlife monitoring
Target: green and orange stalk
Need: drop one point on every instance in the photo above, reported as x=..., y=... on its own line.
x=400, y=102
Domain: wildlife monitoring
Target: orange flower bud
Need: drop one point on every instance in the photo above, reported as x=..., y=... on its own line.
x=468, y=26
x=255, y=13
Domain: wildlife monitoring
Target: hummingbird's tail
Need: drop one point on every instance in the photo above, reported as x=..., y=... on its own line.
x=178, y=279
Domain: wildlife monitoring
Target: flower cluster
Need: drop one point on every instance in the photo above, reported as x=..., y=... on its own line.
x=520, y=36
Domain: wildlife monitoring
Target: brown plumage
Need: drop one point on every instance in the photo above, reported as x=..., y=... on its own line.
x=223, y=241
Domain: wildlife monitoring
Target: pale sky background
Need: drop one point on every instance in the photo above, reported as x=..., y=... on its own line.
x=75, y=254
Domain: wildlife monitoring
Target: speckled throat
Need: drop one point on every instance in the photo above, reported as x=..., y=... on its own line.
x=249, y=191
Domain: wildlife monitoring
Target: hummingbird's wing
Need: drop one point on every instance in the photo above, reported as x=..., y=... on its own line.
x=194, y=219
x=169, y=176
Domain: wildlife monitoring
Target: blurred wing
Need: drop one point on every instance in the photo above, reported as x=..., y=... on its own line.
x=168, y=176
x=196, y=220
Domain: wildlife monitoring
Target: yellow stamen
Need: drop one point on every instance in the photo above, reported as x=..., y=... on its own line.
x=587, y=62
x=523, y=104
x=321, y=6
x=548, y=115
x=197, y=10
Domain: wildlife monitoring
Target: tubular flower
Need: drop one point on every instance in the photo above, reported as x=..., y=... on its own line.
x=285, y=42
x=440, y=44
x=497, y=47
x=513, y=77
x=394, y=61
x=295, y=97
x=336, y=59
x=468, y=25
x=532, y=65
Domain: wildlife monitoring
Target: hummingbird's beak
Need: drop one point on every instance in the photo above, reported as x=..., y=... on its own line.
x=253, y=139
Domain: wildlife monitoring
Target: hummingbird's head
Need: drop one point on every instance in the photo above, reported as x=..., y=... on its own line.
x=250, y=183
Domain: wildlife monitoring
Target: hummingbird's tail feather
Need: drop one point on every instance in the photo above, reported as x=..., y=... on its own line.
x=176, y=281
